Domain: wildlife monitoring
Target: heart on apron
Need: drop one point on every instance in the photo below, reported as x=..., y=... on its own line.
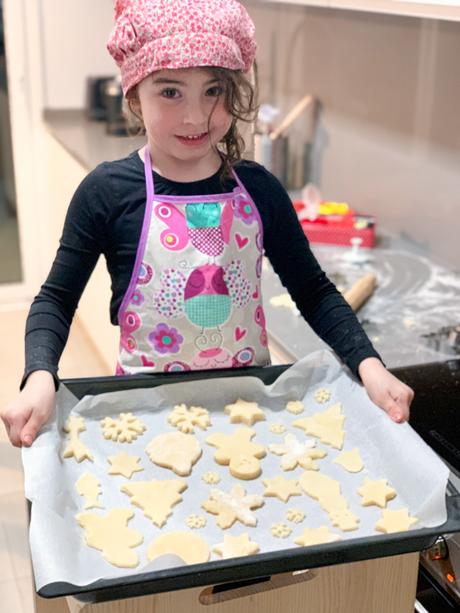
x=240, y=333
x=241, y=241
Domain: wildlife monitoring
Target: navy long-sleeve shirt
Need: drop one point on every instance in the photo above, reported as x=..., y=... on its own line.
x=105, y=217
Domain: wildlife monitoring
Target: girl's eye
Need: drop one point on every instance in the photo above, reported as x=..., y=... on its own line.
x=169, y=92
x=216, y=90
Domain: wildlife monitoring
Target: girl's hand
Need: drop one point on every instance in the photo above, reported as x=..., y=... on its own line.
x=385, y=390
x=24, y=417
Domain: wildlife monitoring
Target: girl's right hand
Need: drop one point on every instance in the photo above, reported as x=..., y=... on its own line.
x=24, y=417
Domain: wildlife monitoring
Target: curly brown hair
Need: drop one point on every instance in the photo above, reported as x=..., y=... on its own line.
x=240, y=101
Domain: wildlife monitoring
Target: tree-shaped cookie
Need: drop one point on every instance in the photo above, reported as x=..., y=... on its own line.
x=185, y=419
x=233, y=506
x=111, y=535
x=237, y=451
x=156, y=498
x=326, y=425
x=175, y=450
x=75, y=448
x=295, y=453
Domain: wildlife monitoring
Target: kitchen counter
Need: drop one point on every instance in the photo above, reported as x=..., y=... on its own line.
x=411, y=317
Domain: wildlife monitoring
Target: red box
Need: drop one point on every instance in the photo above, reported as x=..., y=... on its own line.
x=338, y=229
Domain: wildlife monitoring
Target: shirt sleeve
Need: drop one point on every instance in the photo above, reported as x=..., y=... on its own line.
x=316, y=297
x=81, y=243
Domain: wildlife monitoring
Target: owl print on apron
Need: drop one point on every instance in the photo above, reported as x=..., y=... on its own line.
x=194, y=299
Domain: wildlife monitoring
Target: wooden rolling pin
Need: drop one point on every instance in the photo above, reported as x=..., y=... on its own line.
x=291, y=116
x=357, y=295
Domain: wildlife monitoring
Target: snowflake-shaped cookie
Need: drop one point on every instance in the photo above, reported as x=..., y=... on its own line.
x=295, y=515
x=195, y=521
x=210, y=477
x=322, y=395
x=277, y=428
x=296, y=453
x=295, y=407
x=233, y=506
x=185, y=419
x=280, y=531
x=124, y=429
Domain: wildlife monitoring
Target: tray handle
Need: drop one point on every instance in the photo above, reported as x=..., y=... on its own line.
x=239, y=589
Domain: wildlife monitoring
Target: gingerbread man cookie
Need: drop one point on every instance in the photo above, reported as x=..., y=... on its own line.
x=237, y=451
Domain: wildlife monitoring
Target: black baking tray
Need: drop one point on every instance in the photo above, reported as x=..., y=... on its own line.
x=249, y=568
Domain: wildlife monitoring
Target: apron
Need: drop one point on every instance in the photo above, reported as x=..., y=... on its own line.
x=194, y=299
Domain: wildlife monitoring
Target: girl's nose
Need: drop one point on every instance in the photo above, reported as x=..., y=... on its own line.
x=195, y=114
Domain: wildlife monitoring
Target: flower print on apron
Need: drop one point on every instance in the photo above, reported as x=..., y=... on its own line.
x=194, y=299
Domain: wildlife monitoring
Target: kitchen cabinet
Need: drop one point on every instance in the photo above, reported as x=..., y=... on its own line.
x=449, y=9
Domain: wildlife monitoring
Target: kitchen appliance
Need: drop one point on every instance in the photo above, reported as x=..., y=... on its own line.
x=95, y=100
x=113, y=98
x=435, y=416
x=250, y=568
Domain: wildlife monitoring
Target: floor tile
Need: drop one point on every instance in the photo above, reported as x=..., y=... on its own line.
x=10, y=597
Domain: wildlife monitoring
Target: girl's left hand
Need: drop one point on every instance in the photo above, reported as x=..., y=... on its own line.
x=386, y=390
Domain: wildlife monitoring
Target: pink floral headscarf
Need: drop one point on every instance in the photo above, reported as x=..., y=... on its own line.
x=152, y=35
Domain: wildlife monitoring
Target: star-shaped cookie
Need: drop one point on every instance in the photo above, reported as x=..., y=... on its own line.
x=282, y=488
x=326, y=425
x=235, y=546
x=376, y=492
x=242, y=412
x=124, y=464
x=316, y=536
x=395, y=521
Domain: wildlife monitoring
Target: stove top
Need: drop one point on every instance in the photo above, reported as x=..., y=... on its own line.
x=435, y=412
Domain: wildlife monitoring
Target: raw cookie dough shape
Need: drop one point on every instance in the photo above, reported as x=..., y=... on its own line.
x=242, y=412
x=75, y=448
x=295, y=515
x=376, y=493
x=111, y=535
x=210, y=477
x=123, y=429
x=326, y=425
x=239, y=448
x=244, y=466
x=395, y=521
x=185, y=419
x=195, y=521
x=316, y=536
x=280, y=531
x=296, y=453
x=155, y=498
x=350, y=460
x=295, y=407
x=188, y=546
x=326, y=491
x=235, y=506
x=124, y=464
x=322, y=395
x=236, y=546
x=277, y=428
x=89, y=487
x=281, y=488
x=175, y=450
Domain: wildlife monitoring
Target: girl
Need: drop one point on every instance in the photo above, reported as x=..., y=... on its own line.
x=183, y=223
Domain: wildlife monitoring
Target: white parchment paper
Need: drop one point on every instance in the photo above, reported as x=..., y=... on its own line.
x=389, y=450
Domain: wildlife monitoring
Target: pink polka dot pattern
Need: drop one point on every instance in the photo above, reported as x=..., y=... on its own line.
x=152, y=35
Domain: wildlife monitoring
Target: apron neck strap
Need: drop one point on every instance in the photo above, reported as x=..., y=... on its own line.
x=148, y=174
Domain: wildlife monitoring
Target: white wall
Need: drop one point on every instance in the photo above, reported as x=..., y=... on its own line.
x=74, y=36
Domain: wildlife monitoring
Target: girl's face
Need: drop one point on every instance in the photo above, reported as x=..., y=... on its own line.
x=184, y=115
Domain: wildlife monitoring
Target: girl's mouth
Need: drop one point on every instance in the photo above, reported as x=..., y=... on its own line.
x=194, y=139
